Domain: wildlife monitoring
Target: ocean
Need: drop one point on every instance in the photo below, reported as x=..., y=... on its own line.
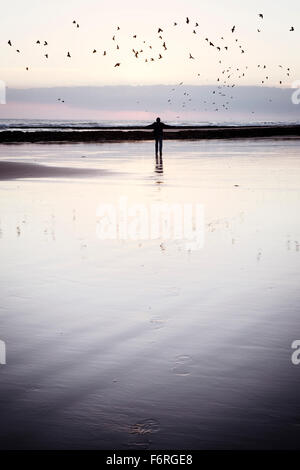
x=56, y=125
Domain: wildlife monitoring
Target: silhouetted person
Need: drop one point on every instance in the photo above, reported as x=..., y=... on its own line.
x=158, y=133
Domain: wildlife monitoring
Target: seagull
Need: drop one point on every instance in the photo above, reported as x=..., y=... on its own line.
x=94, y=51
x=104, y=53
x=46, y=55
x=45, y=43
x=191, y=57
x=233, y=29
x=38, y=42
x=164, y=46
x=9, y=42
x=175, y=24
x=292, y=28
x=187, y=20
x=27, y=68
x=68, y=55
x=261, y=15
x=117, y=64
x=160, y=30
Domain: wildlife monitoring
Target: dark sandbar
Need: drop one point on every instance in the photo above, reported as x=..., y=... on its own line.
x=115, y=134
x=15, y=170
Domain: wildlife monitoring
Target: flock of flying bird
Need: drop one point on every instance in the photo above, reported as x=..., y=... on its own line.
x=226, y=80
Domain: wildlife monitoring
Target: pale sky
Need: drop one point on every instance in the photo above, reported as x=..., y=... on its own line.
x=26, y=21
x=23, y=22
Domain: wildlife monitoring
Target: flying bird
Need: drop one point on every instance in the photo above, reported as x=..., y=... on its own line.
x=187, y=20
x=233, y=29
x=191, y=57
x=68, y=55
x=9, y=43
x=292, y=28
x=261, y=15
x=117, y=64
x=160, y=30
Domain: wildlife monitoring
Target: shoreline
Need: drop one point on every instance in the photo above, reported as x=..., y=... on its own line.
x=115, y=134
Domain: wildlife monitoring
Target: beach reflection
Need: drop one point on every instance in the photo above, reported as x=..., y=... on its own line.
x=119, y=344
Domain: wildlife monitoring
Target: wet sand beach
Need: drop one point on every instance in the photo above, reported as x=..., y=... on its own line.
x=146, y=344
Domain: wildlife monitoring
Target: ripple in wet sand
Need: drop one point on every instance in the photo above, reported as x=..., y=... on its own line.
x=183, y=365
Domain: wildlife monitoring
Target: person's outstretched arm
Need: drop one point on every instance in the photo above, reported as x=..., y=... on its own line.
x=151, y=126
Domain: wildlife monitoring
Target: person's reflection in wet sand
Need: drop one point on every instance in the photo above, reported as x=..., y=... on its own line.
x=159, y=167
